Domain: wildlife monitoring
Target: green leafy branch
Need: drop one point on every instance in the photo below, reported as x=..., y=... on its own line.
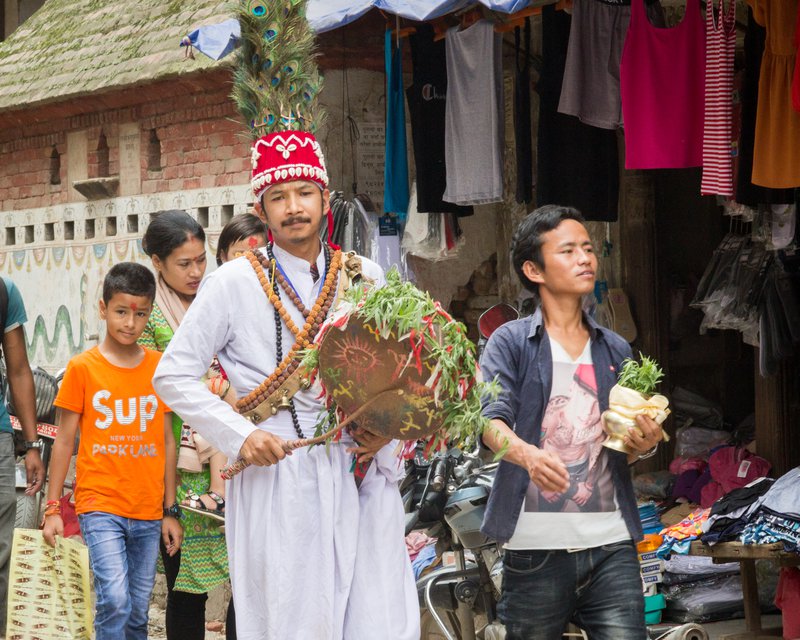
x=641, y=376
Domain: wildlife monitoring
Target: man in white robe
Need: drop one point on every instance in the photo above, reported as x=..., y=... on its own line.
x=312, y=556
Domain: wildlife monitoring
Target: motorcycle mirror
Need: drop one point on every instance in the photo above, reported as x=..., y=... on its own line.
x=492, y=318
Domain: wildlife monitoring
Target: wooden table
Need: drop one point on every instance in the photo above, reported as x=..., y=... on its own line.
x=746, y=555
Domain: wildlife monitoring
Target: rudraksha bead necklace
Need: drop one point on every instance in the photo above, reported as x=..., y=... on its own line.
x=303, y=337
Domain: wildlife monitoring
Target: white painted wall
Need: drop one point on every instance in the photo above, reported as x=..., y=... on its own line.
x=61, y=278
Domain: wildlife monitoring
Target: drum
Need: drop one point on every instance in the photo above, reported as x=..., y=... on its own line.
x=361, y=369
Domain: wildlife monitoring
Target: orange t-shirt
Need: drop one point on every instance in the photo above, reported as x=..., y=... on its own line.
x=120, y=466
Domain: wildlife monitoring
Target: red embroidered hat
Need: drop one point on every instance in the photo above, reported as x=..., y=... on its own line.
x=286, y=156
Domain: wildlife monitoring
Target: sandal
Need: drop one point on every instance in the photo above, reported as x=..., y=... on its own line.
x=194, y=504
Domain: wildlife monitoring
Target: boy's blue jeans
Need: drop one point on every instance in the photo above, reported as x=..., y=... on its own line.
x=122, y=553
x=598, y=589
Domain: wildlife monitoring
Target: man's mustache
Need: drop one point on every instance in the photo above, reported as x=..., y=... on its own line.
x=296, y=219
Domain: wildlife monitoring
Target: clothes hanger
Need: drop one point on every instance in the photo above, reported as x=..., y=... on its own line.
x=517, y=19
x=470, y=17
x=440, y=28
x=393, y=25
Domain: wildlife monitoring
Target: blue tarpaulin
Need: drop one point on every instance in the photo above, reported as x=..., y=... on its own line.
x=324, y=15
x=218, y=40
x=215, y=40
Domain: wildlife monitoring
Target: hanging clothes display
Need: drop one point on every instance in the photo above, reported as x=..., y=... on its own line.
x=474, y=115
x=776, y=159
x=746, y=287
x=426, y=234
x=577, y=165
x=395, y=173
x=522, y=114
x=427, y=96
x=718, y=121
x=796, y=79
x=748, y=193
x=591, y=76
x=591, y=89
x=662, y=80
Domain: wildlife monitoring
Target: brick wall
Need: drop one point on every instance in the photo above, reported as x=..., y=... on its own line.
x=201, y=143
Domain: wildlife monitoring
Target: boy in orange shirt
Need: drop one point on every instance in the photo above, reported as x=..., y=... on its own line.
x=125, y=485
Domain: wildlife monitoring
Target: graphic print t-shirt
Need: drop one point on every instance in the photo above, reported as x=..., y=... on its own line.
x=586, y=515
x=120, y=466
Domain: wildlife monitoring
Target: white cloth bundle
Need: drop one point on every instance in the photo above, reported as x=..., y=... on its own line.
x=626, y=403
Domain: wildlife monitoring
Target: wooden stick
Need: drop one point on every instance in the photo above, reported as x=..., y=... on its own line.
x=290, y=445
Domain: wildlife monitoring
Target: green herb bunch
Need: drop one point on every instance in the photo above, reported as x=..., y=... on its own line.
x=641, y=376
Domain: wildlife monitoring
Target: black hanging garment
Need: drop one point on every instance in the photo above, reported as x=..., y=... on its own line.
x=746, y=192
x=426, y=105
x=522, y=115
x=577, y=165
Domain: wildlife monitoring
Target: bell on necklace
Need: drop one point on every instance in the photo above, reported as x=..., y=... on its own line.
x=305, y=384
x=285, y=402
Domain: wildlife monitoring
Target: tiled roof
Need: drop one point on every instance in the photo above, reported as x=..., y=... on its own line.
x=70, y=48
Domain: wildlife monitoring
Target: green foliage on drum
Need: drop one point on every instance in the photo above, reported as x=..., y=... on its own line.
x=399, y=328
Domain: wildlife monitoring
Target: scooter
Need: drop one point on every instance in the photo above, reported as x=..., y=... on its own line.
x=447, y=496
x=458, y=600
x=46, y=389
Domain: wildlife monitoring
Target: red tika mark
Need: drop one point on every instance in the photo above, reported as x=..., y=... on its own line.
x=134, y=307
x=252, y=242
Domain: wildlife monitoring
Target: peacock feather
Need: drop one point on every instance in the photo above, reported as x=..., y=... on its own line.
x=276, y=82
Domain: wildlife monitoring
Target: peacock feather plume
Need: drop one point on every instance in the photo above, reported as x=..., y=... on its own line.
x=276, y=82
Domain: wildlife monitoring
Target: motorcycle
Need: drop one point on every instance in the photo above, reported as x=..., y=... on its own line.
x=46, y=389
x=448, y=497
x=493, y=318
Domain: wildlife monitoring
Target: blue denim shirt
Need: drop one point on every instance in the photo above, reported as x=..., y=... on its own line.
x=518, y=353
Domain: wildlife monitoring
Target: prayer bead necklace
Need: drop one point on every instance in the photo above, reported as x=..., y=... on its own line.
x=303, y=337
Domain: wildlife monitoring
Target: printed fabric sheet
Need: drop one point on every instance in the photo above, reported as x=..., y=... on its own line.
x=49, y=590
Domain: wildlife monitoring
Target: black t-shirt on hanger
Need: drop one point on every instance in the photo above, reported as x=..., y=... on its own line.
x=426, y=105
x=522, y=113
x=577, y=164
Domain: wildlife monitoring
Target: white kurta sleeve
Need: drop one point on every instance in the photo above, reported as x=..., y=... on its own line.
x=204, y=331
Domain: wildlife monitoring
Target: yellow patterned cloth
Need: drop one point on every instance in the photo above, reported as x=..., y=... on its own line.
x=204, y=556
x=49, y=595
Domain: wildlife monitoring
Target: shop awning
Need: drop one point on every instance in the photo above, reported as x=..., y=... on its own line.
x=324, y=15
x=218, y=40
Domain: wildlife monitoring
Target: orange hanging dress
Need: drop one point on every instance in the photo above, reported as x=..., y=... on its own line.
x=776, y=157
x=796, y=81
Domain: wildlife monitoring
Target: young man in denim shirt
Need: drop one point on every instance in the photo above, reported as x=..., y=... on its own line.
x=562, y=505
